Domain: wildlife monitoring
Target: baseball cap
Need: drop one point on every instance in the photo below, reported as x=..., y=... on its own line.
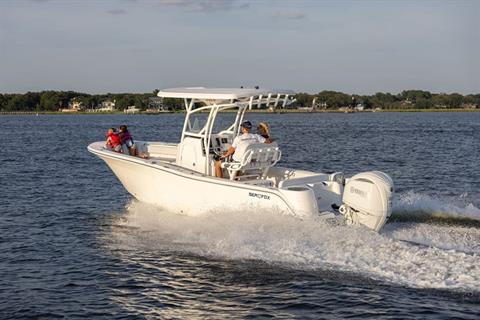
x=246, y=124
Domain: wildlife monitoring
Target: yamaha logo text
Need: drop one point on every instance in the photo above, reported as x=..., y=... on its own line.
x=361, y=193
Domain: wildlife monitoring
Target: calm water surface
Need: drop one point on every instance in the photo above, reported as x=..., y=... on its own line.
x=73, y=243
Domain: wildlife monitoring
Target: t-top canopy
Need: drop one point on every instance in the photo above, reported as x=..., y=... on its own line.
x=217, y=93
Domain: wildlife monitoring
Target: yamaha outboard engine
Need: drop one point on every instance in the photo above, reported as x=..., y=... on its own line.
x=367, y=199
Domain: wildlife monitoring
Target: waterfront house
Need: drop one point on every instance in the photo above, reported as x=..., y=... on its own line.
x=359, y=107
x=107, y=106
x=74, y=106
x=131, y=110
x=156, y=105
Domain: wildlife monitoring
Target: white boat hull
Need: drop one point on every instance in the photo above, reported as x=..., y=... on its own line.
x=185, y=191
x=366, y=200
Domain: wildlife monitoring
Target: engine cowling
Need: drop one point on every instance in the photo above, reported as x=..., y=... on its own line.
x=367, y=199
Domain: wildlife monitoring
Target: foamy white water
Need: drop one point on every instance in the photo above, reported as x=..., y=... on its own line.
x=406, y=253
x=424, y=205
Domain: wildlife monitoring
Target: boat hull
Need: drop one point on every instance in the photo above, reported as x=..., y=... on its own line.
x=365, y=200
x=187, y=192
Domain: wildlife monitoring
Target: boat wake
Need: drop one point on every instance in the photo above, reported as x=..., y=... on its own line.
x=411, y=206
x=409, y=251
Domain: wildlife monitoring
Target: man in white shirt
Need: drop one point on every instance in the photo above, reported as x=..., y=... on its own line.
x=239, y=145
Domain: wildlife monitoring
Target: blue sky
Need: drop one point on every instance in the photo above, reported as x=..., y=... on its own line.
x=139, y=45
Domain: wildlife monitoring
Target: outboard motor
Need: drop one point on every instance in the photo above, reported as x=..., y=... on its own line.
x=367, y=199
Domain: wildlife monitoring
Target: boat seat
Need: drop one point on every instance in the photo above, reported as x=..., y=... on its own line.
x=257, y=159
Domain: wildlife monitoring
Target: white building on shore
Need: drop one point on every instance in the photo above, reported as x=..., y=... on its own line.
x=74, y=106
x=131, y=110
x=107, y=106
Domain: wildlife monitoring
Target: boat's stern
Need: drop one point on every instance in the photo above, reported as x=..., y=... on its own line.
x=365, y=199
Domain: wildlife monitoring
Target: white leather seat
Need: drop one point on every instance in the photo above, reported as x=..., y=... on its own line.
x=257, y=159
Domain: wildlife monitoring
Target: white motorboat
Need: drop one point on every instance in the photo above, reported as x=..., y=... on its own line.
x=180, y=177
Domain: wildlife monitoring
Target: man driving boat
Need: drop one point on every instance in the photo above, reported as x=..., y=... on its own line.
x=239, y=145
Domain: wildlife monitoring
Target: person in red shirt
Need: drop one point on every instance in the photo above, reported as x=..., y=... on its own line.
x=113, y=140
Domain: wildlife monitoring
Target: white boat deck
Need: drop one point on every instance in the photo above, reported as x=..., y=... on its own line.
x=168, y=160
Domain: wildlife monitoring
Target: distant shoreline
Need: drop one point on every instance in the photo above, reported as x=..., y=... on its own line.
x=52, y=102
x=279, y=111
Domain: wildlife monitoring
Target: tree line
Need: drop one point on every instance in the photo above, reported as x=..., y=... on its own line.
x=408, y=99
x=56, y=100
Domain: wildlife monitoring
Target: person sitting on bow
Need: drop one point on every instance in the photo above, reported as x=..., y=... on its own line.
x=113, y=141
x=239, y=145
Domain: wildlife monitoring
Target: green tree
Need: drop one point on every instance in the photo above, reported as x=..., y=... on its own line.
x=304, y=99
x=335, y=99
x=422, y=103
x=382, y=100
x=3, y=101
x=50, y=101
x=455, y=100
x=414, y=95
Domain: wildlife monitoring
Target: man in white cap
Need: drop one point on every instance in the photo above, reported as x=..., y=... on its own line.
x=239, y=145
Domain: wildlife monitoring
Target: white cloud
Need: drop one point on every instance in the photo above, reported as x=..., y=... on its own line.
x=117, y=12
x=290, y=15
x=206, y=5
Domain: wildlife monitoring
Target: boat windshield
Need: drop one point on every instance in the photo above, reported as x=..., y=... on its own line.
x=224, y=121
x=198, y=122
